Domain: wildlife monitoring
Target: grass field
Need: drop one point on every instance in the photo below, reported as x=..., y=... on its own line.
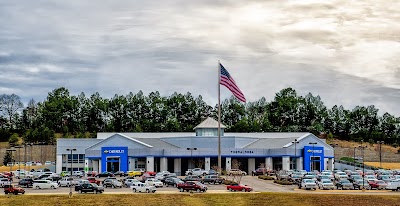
x=236, y=199
x=386, y=165
x=13, y=168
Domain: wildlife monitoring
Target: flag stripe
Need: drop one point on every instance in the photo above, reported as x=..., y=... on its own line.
x=227, y=80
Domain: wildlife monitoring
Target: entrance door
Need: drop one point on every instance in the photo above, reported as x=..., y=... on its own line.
x=113, y=164
x=315, y=163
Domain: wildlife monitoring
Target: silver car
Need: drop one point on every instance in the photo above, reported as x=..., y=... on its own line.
x=325, y=185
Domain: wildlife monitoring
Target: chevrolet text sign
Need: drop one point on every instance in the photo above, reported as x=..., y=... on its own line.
x=318, y=151
x=114, y=151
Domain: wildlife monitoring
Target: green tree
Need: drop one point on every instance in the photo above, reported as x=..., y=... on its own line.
x=7, y=158
x=13, y=139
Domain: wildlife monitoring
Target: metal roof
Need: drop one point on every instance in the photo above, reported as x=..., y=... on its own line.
x=209, y=123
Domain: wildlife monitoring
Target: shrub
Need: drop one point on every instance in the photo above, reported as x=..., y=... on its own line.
x=228, y=182
x=283, y=182
x=266, y=177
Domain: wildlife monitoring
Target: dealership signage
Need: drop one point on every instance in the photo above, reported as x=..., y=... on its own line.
x=316, y=151
x=114, y=151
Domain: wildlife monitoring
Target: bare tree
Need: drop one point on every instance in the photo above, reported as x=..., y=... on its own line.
x=9, y=106
x=236, y=164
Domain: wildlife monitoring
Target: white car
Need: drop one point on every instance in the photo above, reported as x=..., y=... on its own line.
x=77, y=174
x=326, y=185
x=4, y=181
x=370, y=177
x=130, y=182
x=141, y=187
x=67, y=182
x=47, y=163
x=308, y=184
x=341, y=175
x=393, y=185
x=44, y=184
x=154, y=182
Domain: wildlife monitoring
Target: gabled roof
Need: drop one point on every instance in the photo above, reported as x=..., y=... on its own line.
x=118, y=135
x=209, y=123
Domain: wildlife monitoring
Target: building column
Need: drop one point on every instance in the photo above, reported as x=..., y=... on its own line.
x=150, y=163
x=177, y=166
x=286, y=163
x=228, y=163
x=268, y=163
x=100, y=166
x=207, y=165
x=59, y=163
x=299, y=163
x=131, y=163
x=95, y=165
x=251, y=165
x=163, y=164
x=330, y=164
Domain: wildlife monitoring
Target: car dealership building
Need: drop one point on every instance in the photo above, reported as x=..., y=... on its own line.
x=176, y=152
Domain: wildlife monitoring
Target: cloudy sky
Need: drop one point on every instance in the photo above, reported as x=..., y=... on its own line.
x=348, y=52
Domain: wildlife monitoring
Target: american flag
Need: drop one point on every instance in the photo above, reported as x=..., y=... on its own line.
x=227, y=80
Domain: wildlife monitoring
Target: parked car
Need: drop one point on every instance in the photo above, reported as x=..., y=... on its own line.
x=326, y=184
x=173, y=181
x=197, y=171
x=13, y=189
x=112, y=183
x=27, y=182
x=360, y=184
x=67, y=182
x=377, y=184
x=393, y=185
x=93, y=180
x=191, y=178
x=65, y=174
x=236, y=172
x=259, y=171
x=154, y=182
x=307, y=184
x=344, y=184
x=78, y=174
x=130, y=182
x=44, y=184
x=135, y=173
x=84, y=188
x=47, y=163
x=121, y=173
x=190, y=186
x=4, y=181
x=105, y=174
x=91, y=173
x=141, y=187
x=212, y=179
x=239, y=187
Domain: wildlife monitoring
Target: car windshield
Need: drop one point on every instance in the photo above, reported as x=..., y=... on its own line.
x=326, y=182
x=380, y=182
x=345, y=181
x=309, y=181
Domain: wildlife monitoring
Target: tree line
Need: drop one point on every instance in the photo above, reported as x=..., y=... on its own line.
x=82, y=117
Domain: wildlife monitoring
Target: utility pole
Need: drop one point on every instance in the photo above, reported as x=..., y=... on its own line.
x=380, y=152
x=295, y=154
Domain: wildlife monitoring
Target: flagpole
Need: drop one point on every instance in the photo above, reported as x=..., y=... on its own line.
x=219, y=119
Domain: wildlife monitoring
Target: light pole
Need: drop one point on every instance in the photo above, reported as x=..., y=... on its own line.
x=354, y=160
x=362, y=153
x=380, y=152
x=295, y=154
x=312, y=158
x=19, y=161
x=191, y=152
x=70, y=184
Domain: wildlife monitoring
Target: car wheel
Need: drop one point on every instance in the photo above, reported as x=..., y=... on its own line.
x=5, y=192
x=37, y=187
x=105, y=186
x=181, y=190
x=134, y=190
x=23, y=192
x=16, y=193
x=52, y=187
x=230, y=189
x=198, y=190
x=175, y=185
x=153, y=191
x=112, y=186
x=243, y=190
x=147, y=190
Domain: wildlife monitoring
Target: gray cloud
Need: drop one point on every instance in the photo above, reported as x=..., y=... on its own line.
x=347, y=52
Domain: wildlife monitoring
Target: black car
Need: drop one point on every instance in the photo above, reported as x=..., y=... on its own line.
x=173, y=181
x=105, y=174
x=121, y=173
x=84, y=188
x=27, y=182
x=212, y=179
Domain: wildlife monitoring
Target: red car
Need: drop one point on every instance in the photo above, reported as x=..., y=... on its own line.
x=239, y=187
x=377, y=184
x=93, y=180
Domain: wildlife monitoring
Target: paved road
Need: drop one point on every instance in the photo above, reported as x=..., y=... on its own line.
x=257, y=184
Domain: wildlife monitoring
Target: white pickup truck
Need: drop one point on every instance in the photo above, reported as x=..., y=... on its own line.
x=142, y=187
x=67, y=182
x=197, y=172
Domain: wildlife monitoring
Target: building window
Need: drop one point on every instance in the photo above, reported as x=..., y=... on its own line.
x=76, y=158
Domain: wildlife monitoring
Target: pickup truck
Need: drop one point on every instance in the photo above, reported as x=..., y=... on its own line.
x=308, y=184
x=141, y=187
x=67, y=182
x=13, y=189
x=191, y=186
x=84, y=188
x=196, y=171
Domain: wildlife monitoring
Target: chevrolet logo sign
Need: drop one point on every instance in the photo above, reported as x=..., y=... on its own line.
x=106, y=151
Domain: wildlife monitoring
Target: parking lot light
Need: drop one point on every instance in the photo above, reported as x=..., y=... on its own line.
x=70, y=185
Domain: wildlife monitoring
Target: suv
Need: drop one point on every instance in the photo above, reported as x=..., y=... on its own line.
x=212, y=179
x=259, y=171
x=27, y=182
x=112, y=183
x=91, y=187
x=236, y=172
x=308, y=184
x=187, y=186
x=13, y=189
